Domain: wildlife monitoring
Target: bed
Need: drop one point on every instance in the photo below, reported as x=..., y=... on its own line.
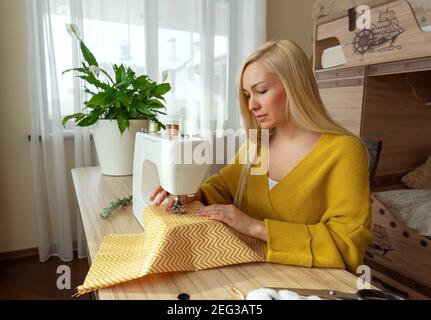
x=382, y=93
x=399, y=256
x=401, y=248
x=411, y=207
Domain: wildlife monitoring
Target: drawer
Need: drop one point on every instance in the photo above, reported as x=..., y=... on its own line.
x=340, y=73
x=342, y=82
x=400, y=67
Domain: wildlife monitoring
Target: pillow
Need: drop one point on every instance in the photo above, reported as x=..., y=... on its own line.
x=420, y=178
x=413, y=207
x=374, y=149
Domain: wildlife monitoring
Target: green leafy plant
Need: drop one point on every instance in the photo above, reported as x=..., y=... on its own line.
x=123, y=98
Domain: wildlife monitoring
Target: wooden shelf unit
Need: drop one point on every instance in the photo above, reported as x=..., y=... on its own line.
x=385, y=95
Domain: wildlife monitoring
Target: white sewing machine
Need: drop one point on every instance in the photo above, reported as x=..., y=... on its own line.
x=168, y=161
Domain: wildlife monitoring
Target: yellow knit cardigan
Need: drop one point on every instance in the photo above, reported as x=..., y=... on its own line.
x=318, y=215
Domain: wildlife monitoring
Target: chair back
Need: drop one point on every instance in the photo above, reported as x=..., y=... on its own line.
x=374, y=149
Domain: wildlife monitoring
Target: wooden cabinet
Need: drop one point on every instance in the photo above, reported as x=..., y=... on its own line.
x=390, y=103
x=394, y=35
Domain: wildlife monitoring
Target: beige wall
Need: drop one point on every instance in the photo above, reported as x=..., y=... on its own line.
x=17, y=218
x=291, y=20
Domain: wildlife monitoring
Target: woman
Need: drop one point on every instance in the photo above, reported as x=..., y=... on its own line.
x=312, y=208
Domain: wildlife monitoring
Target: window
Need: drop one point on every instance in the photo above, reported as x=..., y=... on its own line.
x=192, y=49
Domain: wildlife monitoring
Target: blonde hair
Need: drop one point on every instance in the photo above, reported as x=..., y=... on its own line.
x=289, y=63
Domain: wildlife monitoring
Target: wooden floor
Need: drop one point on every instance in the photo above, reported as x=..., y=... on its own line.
x=29, y=279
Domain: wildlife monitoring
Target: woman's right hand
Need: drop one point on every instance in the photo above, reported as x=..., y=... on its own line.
x=163, y=194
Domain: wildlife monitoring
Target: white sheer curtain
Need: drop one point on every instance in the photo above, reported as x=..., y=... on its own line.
x=50, y=172
x=198, y=45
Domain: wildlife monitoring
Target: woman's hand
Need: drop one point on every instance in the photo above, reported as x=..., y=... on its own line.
x=164, y=194
x=236, y=219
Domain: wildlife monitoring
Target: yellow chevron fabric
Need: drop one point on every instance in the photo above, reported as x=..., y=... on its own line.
x=170, y=243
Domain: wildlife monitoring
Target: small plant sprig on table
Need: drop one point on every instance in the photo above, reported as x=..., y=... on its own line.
x=114, y=205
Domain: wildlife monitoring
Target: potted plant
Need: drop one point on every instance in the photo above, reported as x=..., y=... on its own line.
x=118, y=108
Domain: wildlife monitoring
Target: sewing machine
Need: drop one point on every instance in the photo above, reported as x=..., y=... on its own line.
x=166, y=160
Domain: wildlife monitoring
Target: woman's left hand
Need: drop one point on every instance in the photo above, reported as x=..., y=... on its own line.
x=236, y=219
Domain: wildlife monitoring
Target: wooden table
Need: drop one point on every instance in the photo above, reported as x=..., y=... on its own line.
x=94, y=191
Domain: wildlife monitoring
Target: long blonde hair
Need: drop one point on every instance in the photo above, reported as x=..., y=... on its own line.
x=289, y=63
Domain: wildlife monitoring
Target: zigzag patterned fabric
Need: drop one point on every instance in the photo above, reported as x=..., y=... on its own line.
x=170, y=243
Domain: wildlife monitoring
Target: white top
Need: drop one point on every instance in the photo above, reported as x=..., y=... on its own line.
x=271, y=183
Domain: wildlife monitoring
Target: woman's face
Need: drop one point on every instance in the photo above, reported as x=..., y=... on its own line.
x=266, y=96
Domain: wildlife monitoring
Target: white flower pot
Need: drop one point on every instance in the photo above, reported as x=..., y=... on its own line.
x=115, y=151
